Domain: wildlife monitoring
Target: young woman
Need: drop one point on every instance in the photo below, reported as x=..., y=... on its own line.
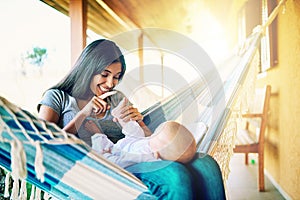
x=85, y=94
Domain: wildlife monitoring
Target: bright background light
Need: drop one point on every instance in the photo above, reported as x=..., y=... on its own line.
x=31, y=23
x=27, y=24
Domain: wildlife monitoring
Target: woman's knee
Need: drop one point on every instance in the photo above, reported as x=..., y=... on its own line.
x=166, y=180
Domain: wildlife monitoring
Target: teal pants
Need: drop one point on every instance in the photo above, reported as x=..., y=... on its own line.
x=199, y=179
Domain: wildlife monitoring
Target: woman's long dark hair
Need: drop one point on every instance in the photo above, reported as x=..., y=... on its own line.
x=93, y=60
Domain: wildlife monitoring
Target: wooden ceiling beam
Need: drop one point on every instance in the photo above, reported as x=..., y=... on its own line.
x=59, y=5
x=101, y=22
x=121, y=9
x=125, y=24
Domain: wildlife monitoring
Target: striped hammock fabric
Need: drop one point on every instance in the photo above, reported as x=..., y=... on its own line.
x=56, y=162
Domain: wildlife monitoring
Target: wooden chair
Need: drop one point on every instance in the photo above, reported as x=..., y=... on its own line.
x=251, y=139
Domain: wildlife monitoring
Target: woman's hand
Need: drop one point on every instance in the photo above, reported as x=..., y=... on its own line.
x=130, y=113
x=124, y=113
x=97, y=105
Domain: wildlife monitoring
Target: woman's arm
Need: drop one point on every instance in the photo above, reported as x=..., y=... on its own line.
x=75, y=123
x=95, y=106
x=48, y=114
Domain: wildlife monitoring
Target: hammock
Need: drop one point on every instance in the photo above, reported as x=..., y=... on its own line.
x=54, y=161
x=63, y=166
x=44, y=155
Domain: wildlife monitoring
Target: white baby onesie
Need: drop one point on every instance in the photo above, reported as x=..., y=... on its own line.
x=132, y=149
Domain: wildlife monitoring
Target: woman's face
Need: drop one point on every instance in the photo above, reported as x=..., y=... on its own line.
x=107, y=79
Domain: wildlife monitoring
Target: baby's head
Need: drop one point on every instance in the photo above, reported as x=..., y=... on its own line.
x=173, y=141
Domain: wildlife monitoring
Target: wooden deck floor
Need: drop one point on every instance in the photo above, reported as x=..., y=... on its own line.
x=242, y=182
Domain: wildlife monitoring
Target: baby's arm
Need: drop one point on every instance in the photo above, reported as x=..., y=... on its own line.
x=116, y=112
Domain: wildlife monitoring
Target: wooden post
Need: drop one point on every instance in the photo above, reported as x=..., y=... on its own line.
x=78, y=17
x=141, y=56
x=162, y=75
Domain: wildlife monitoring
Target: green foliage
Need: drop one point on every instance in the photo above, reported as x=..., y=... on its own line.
x=37, y=56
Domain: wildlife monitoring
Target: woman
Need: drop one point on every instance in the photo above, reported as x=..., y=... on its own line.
x=83, y=95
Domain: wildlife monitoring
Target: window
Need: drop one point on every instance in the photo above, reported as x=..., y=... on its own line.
x=252, y=14
x=269, y=56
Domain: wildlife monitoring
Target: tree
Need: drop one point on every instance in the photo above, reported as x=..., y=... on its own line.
x=37, y=56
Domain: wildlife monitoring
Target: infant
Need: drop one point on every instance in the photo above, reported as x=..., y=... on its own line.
x=170, y=141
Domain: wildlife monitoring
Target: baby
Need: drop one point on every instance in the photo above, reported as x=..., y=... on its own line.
x=170, y=141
